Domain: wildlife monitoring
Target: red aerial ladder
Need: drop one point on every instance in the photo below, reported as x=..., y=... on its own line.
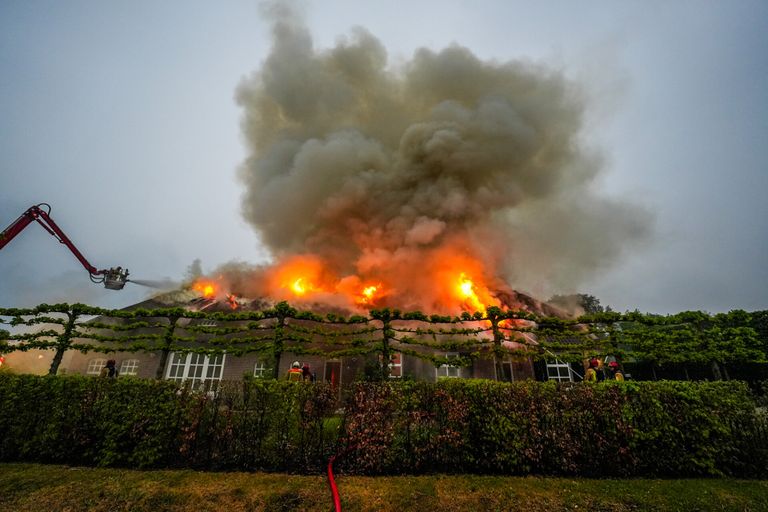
x=114, y=278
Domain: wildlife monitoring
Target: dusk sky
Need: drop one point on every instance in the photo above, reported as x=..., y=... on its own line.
x=122, y=116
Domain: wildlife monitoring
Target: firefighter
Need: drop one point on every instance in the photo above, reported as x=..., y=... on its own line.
x=306, y=373
x=614, y=370
x=109, y=371
x=295, y=374
x=591, y=374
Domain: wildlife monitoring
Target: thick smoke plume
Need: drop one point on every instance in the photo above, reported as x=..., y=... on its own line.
x=397, y=174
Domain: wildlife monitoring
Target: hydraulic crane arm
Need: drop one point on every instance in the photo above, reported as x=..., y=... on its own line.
x=114, y=278
x=37, y=213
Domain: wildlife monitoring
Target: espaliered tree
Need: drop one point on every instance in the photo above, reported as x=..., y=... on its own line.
x=64, y=340
x=4, y=337
x=693, y=337
x=494, y=316
x=387, y=334
x=427, y=337
x=53, y=328
x=759, y=322
x=167, y=344
x=283, y=311
x=687, y=337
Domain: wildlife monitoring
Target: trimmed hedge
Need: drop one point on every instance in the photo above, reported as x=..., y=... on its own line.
x=455, y=426
x=251, y=425
x=625, y=429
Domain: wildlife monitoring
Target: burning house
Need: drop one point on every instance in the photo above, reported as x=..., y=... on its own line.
x=431, y=185
x=413, y=349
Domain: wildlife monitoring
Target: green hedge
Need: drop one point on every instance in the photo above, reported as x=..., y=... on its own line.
x=611, y=429
x=660, y=428
x=264, y=425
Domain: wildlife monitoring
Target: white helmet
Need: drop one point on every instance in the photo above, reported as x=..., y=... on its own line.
x=296, y=364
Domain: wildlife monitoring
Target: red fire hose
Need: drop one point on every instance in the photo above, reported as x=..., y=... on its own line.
x=332, y=481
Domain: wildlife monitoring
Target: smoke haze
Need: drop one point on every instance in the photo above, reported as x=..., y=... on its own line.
x=384, y=171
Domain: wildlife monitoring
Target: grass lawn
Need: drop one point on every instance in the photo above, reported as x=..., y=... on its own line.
x=35, y=487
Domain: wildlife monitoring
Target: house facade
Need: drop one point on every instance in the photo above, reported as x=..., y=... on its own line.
x=205, y=370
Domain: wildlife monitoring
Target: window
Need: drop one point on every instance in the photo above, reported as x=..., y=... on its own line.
x=197, y=368
x=449, y=370
x=129, y=367
x=508, y=374
x=396, y=365
x=260, y=370
x=95, y=366
x=559, y=371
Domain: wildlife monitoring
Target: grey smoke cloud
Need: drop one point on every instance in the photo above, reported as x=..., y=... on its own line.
x=381, y=170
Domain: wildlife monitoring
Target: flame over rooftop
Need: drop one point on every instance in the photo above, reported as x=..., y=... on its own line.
x=427, y=185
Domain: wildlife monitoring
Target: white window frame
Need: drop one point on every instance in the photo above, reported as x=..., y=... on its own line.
x=508, y=363
x=260, y=370
x=184, y=366
x=558, y=367
x=449, y=371
x=396, y=363
x=94, y=366
x=129, y=367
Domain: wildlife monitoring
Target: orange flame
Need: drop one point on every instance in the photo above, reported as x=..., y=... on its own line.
x=300, y=287
x=232, y=299
x=355, y=291
x=450, y=279
x=207, y=288
x=369, y=294
x=467, y=292
x=457, y=280
x=370, y=291
x=299, y=276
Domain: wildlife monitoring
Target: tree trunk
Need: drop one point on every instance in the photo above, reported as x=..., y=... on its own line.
x=277, y=348
x=57, y=357
x=386, y=353
x=161, y=364
x=498, y=339
x=63, y=342
x=716, y=371
x=166, y=350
